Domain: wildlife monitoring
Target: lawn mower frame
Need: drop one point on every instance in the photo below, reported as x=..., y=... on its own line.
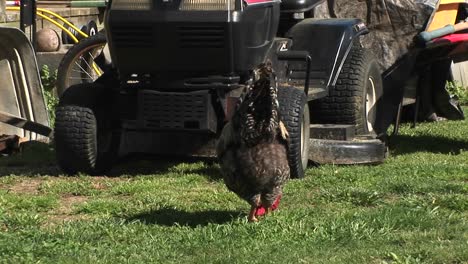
x=179, y=68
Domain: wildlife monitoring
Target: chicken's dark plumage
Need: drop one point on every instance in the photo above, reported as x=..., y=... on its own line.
x=252, y=148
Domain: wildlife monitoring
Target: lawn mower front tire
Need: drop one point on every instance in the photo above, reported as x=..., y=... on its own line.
x=84, y=139
x=294, y=112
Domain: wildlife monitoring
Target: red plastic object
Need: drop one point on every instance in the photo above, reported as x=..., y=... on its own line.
x=13, y=3
x=252, y=2
x=262, y=210
x=450, y=39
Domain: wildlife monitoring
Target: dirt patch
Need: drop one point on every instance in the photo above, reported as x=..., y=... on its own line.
x=63, y=213
x=66, y=204
x=29, y=186
x=54, y=220
x=99, y=184
x=391, y=198
x=103, y=182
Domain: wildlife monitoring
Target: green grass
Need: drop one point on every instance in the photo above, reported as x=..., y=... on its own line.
x=411, y=209
x=456, y=89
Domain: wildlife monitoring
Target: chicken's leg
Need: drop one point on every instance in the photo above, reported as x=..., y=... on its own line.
x=252, y=217
x=283, y=130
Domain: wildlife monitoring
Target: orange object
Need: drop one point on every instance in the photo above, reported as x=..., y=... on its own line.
x=445, y=15
x=443, y=2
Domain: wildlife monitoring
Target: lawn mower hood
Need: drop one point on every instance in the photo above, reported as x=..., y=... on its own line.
x=192, y=37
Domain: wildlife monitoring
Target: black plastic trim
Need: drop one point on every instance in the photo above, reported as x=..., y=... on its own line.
x=358, y=151
x=328, y=42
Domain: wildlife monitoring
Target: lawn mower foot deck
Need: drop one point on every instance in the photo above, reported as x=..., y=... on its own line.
x=337, y=144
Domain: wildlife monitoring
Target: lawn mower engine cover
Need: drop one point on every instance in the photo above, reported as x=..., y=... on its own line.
x=195, y=37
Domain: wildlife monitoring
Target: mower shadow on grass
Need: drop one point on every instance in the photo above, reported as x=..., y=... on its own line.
x=34, y=158
x=173, y=217
x=405, y=144
x=39, y=159
x=29, y=171
x=151, y=165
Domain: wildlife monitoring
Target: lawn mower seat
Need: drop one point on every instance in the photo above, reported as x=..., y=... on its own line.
x=297, y=6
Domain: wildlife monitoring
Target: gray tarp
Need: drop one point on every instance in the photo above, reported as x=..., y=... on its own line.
x=392, y=23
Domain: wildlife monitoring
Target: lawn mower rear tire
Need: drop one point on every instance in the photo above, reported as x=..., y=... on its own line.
x=353, y=100
x=294, y=112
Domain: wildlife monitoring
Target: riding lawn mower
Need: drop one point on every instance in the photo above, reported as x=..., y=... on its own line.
x=178, y=68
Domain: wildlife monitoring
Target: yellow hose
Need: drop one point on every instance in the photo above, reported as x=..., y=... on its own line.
x=72, y=36
x=64, y=20
x=16, y=8
x=60, y=26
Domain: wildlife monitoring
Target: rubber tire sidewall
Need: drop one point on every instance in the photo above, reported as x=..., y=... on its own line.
x=294, y=112
x=373, y=71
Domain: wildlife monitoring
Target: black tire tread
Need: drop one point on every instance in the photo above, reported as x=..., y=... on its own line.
x=292, y=102
x=344, y=104
x=75, y=137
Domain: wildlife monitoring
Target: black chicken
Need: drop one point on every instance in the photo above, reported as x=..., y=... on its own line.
x=252, y=149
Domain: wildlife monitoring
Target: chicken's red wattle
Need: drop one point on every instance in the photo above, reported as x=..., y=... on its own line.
x=262, y=210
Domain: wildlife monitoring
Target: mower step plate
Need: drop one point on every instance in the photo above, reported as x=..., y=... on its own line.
x=332, y=131
x=360, y=150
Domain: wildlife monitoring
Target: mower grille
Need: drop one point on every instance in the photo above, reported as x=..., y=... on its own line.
x=201, y=36
x=129, y=36
x=176, y=111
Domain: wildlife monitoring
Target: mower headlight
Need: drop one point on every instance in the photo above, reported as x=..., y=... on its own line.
x=132, y=4
x=207, y=5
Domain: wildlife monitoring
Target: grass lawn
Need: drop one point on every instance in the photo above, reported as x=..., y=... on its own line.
x=411, y=209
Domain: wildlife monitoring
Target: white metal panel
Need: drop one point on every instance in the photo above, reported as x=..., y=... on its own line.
x=460, y=73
